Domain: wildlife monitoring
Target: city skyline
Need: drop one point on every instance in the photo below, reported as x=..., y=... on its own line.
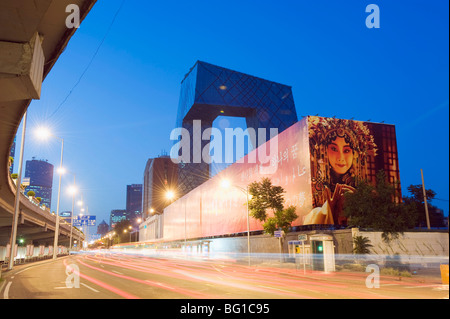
x=121, y=112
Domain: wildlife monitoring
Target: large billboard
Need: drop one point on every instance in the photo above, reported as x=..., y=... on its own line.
x=211, y=210
x=315, y=160
x=343, y=152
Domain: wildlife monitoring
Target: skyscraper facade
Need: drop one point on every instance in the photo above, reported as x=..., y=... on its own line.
x=40, y=173
x=160, y=177
x=134, y=201
x=102, y=228
x=209, y=91
x=12, y=154
x=116, y=216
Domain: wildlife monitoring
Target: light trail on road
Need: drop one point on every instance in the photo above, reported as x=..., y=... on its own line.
x=112, y=275
x=229, y=278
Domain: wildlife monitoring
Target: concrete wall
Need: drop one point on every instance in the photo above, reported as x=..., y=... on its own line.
x=151, y=228
x=419, y=243
x=423, y=243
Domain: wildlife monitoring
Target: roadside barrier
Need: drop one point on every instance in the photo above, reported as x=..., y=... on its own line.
x=29, y=253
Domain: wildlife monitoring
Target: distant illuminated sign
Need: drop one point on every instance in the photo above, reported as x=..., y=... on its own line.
x=66, y=214
x=26, y=181
x=85, y=220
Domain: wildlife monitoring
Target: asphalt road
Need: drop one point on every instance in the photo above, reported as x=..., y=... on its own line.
x=119, y=276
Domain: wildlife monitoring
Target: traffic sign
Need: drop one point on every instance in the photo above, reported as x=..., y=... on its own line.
x=85, y=220
x=277, y=233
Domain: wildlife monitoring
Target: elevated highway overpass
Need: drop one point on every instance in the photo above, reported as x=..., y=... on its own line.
x=33, y=34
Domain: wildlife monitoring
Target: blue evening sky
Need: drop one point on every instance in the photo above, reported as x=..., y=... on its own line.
x=122, y=111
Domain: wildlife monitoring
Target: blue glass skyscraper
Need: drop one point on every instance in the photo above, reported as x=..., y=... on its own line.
x=40, y=174
x=209, y=91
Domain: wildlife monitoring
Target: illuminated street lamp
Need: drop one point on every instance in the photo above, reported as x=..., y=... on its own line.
x=125, y=231
x=44, y=134
x=170, y=195
x=225, y=183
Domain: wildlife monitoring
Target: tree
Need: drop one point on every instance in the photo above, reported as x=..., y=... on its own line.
x=266, y=196
x=119, y=229
x=416, y=199
x=416, y=192
x=31, y=193
x=376, y=207
x=361, y=245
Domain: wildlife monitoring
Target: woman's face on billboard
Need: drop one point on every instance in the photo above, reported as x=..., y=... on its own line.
x=340, y=155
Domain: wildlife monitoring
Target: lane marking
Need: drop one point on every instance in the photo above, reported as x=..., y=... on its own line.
x=94, y=290
x=425, y=286
x=276, y=289
x=103, y=284
x=6, y=292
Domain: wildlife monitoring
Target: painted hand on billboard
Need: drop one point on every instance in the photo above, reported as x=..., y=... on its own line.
x=336, y=201
x=329, y=212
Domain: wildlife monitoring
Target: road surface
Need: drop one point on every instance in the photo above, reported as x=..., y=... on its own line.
x=112, y=276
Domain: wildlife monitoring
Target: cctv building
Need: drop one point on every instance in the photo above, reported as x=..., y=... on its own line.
x=209, y=91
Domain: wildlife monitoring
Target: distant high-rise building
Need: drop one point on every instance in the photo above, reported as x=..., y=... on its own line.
x=160, y=177
x=12, y=154
x=134, y=201
x=102, y=228
x=116, y=216
x=40, y=174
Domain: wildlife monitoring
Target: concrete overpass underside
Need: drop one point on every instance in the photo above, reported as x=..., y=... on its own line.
x=33, y=34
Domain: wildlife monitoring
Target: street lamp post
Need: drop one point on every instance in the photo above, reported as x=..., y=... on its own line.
x=55, y=241
x=73, y=191
x=227, y=184
x=16, y=204
x=43, y=133
x=425, y=200
x=125, y=231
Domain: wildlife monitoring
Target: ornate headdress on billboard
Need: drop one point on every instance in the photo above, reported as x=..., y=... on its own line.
x=322, y=132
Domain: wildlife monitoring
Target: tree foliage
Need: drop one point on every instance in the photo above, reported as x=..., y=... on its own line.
x=361, y=245
x=122, y=236
x=264, y=197
x=376, y=207
x=416, y=200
